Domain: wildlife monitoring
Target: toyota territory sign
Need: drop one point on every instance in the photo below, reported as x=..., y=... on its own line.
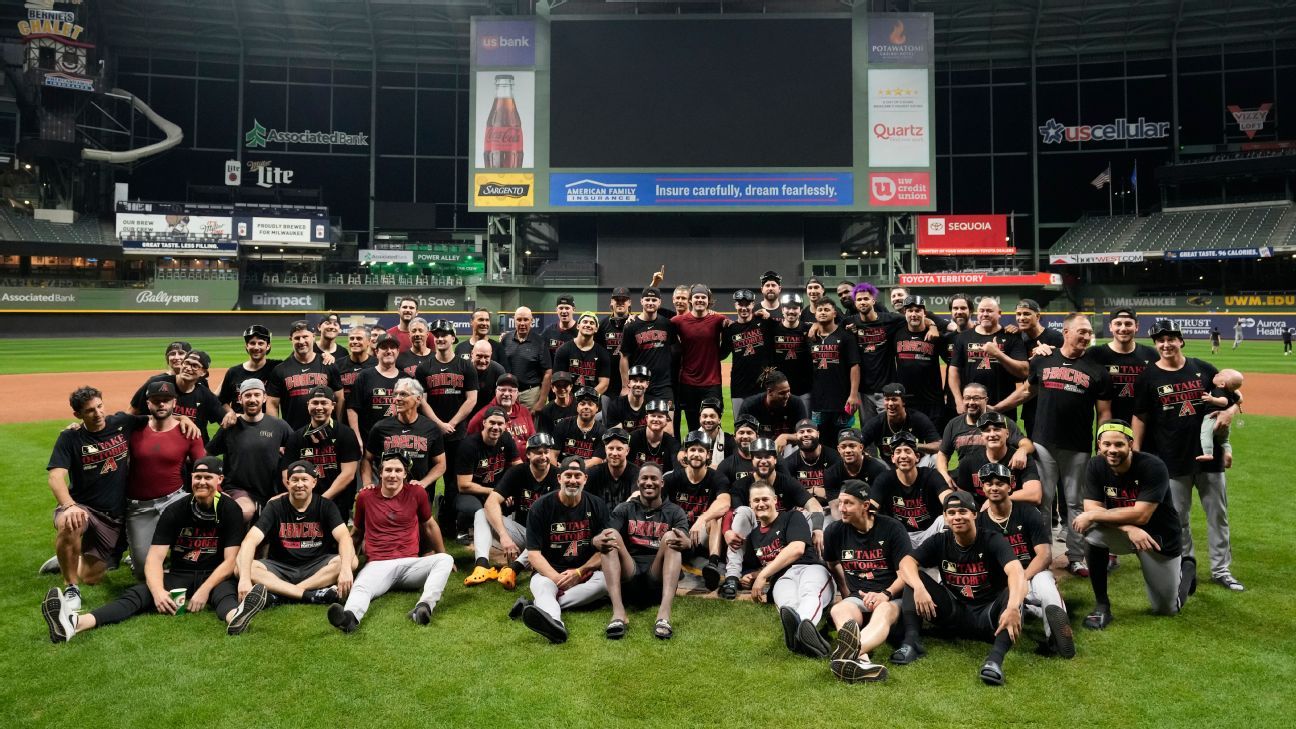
x=964, y=235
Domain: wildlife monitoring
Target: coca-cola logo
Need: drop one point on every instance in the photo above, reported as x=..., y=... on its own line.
x=494, y=189
x=165, y=298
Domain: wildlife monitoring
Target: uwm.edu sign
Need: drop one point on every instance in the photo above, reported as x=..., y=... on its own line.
x=964, y=235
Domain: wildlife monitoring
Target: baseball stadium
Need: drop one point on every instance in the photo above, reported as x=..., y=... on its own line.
x=647, y=362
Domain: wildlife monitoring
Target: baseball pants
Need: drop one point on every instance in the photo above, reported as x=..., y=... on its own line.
x=975, y=622
x=917, y=538
x=428, y=574
x=744, y=520
x=547, y=597
x=690, y=402
x=806, y=588
x=1160, y=573
x=141, y=521
x=1212, y=489
x=483, y=538
x=1067, y=467
x=1043, y=593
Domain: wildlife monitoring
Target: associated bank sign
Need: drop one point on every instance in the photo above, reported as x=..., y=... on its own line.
x=259, y=136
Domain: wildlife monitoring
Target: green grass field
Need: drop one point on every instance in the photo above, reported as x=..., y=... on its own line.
x=1229, y=659
x=23, y=356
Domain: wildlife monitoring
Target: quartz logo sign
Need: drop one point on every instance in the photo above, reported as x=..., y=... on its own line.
x=1055, y=132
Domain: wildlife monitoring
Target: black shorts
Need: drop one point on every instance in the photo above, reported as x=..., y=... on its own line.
x=976, y=622
x=296, y=573
x=642, y=589
x=101, y=533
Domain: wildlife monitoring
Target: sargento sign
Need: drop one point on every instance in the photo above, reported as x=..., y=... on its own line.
x=963, y=235
x=980, y=279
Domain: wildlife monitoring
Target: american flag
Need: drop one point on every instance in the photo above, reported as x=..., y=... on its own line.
x=1103, y=178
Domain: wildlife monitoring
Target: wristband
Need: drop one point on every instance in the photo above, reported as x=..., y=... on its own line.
x=579, y=573
x=816, y=520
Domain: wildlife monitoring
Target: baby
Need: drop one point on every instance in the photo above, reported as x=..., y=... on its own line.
x=1223, y=396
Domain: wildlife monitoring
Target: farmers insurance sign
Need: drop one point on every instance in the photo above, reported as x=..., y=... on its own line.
x=963, y=235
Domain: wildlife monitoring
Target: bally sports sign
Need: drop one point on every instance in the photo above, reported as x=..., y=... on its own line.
x=964, y=235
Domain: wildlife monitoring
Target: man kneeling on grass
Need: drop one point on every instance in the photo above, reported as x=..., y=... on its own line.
x=201, y=532
x=642, y=551
x=388, y=522
x=310, y=556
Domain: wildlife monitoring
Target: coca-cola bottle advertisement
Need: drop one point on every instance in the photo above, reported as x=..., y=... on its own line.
x=505, y=110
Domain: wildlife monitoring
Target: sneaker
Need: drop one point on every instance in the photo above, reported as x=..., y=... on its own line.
x=61, y=621
x=1100, y=618
x=515, y=612
x=729, y=588
x=992, y=674
x=507, y=577
x=243, y=614
x=544, y=624
x=847, y=645
x=711, y=575
x=479, y=575
x=72, y=598
x=1229, y=581
x=340, y=618
x=791, y=624
x=907, y=653
x=1078, y=568
x=1113, y=563
x=1060, y=631
x=857, y=670
x=810, y=642
x=128, y=562
x=49, y=566
x=323, y=596
x=421, y=614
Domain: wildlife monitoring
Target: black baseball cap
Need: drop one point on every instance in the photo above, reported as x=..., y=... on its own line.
x=178, y=345
x=387, y=340
x=994, y=470
x=991, y=417
x=1031, y=304
x=331, y=317
x=1165, y=327
x=398, y=455
x=744, y=295
x=256, y=331
x=442, y=325
x=508, y=379
x=621, y=292
x=805, y=423
x=748, y=420
x=203, y=358
x=813, y=279
x=959, y=500
x=567, y=299
x=639, y=371
x=714, y=403
x=209, y=464
x=492, y=411
x=1123, y=311
x=572, y=463
x=616, y=434
x=323, y=391
x=771, y=276
x=903, y=438
x=160, y=388
x=562, y=378
x=650, y=292
x=588, y=393
x=851, y=435
x=914, y=300
x=856, y=488
x=893, y=389
x=700, y=289
x=299, y=325
x=302, y=466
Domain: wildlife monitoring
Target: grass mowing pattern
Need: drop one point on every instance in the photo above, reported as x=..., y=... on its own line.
x=1229, y=659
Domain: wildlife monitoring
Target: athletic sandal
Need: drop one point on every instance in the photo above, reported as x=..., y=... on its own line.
x=729, y=589
x=907, y=653
x=616, y=629
x=1100, y=618
x=848, y=645
x=992, y=674
x=791, y=624
x=811, y=643
x=243, y=614
x=479, y=575
x=857, y=670
x=1060, y=631
x=508, y=578
x=662, y=629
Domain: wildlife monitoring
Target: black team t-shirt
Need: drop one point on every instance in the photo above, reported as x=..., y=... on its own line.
x=789, y=492
x=564, y=534
x=1146, y=480
x=790, y=354
x=621, y=414
x=1122, y=371
x=749, y=348
x=550, y=414
x=485, y=463
x=974, y=574
x=608, y=336
x=587, y=366
x=409, y=363
x=98, y=463
x=252, y=455
x=643, y=528
x=878, y=431
x=694, y=498
x=1170, y=404
x=199, y=404
x=648, y=343
x=601, y=483
x=811, y=472
x=915, y=506
x=974, y=365
x=876, y=353
x=298, y=537
x=572, y=440
x=520, y=485
x=964, y=437
x=327, y=449
x=1066, y=392
x=765, y=543
x=869, y=472
x=968, y=469
x=373, y=397
x=234, y=376
x=918, y=367
x=447, y=385
x=419, y=441
x=349, y=369
x=197, y=546
x=663, y=454
x=871, y=559
x=292, y=380
x=555, y=337
x=774, y=423
x=1024, y=530
x=831, y=358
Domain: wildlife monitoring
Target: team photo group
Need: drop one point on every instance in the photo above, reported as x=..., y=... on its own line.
x=892, y=477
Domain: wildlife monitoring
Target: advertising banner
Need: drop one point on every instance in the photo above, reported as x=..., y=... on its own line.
x=281, y=301
x=368, y=255
x=179, y=226
x=900, y=38
x=1250, y=120
x=1216, y=253
x=302, y=232
x=162, y=296
x=963, y=235
x=504, y=189
x=503, y=43
x=587, y=189
x=181, y=248
x=450, y=299
x=980, y=279
x=505, y=119
x=899, y=111
x=1065, y=259
x=900, y=189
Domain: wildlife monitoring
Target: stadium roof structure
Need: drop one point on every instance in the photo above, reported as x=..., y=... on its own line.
x=435, y=32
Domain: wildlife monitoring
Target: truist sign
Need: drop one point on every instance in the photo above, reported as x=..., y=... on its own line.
x=1250, y=120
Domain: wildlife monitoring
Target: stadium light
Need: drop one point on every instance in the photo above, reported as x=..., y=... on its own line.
x=27, y=166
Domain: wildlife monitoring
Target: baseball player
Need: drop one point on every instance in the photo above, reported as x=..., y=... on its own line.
x=517, y=491
x=333, y=450
x=481, y=462
x=627, y=411
x=912, y=494
x=613, y=479
x=704, y=495
x=581, y=435
x=811, y=460
x=412, y=434
x=289, y=382
x=565, y=329
x=652, y=444
x=854, y=464
x=646, y=342
x=582, y=356
x=252, y=445
x=419, y=352
x=989, y=355
x=746, y=341
x=1025, y=481
x=256, y=342
x=373, y=394
x=406, y=312
x=480, y=328
x=700, y=331
x=1125, y=359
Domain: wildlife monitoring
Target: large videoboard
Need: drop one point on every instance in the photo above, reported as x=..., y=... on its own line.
x=703, y=113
